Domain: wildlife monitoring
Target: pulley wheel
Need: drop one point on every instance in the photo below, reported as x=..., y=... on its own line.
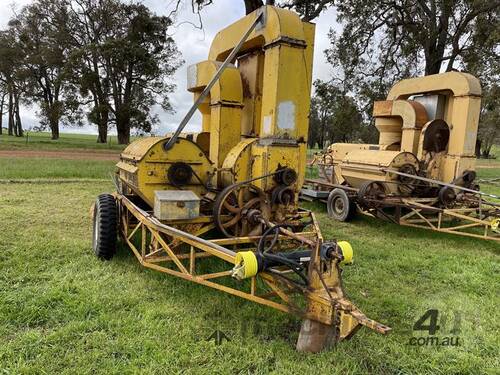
x=237, y=208
x=468, y=178
x=286, y=176
x=370, y=192
x=436, y=136
x=179, y=173
x=283, y=195
x=407, y=184
x=447, y=196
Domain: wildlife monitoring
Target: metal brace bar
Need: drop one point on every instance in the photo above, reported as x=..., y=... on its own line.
x=212, y=82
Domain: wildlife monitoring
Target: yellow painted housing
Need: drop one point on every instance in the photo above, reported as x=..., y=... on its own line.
x=412, y=107
x=462, y=96
x=364, y=165
x=144, y=165
x=255, y=118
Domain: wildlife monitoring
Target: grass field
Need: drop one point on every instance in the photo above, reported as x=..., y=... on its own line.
x=63, y=311
x=23, y=168
x=42, y=141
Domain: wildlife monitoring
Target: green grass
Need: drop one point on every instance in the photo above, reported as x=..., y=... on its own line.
x=64, y=311
x=25, y=168
x=487, y=174
x=42, y=141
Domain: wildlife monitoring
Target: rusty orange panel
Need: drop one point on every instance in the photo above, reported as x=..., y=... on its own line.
x=382, y=108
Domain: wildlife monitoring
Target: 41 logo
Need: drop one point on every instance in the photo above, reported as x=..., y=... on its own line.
x=429, y=322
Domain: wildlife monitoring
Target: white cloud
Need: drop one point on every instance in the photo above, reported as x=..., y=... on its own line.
x=194, y=45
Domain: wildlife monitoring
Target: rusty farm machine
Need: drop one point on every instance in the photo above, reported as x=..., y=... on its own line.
x=422, y=171
x=230, y=192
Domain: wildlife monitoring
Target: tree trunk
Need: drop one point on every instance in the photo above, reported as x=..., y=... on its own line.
x=11, y=114
x=251, y=5
x=322, y=134
x=18, y=125
x=102, y=127
x=54, y=128
x=53, y=115
x=123, y=126
x=432, y=67
x=486, y=151
x=310, y=142
x=478, y=148
x=2, y=102
x=122, y=115
x=123, y=130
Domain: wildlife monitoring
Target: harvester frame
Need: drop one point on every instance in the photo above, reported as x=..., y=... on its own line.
x=414, y=212
x=238, y=178
x=422, y=171
x=160, y=247
x=150, y=252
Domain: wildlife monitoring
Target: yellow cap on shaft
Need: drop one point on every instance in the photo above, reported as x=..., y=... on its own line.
x=347, y=252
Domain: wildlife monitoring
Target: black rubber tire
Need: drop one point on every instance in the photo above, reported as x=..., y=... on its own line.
x=105, y=227
x=339, y=206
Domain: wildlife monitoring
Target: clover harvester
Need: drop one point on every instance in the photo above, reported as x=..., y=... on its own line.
x=422, y=171
x=230, y=192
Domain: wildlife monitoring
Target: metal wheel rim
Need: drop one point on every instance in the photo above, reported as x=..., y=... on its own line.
x=338, y=206
x=241, y=226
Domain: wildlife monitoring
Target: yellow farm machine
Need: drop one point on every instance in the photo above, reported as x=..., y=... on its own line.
x=422, y=171
x=229, y=193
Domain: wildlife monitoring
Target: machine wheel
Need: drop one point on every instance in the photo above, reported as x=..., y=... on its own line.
x=105, y=226
x=237, y=209
x=370, y=192
x=339, y=206
x=447, y=196
x=407, y=184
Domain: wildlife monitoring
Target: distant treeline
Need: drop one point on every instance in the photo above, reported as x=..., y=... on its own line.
x=101, y=60
x=110, y=62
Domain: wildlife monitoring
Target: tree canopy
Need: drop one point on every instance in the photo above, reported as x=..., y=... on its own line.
x=385, y=41
x=108, y=59
x=334, y=116
x=113, y=61
x=308, y=9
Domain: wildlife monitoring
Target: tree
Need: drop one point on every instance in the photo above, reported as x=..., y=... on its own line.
x=41, y=31
x=139, y=61
x=11, y=79
x=483, y=63
x=91, y=22
x=309, y=9
x=111, y=58
x=334, y=116
x=3, y=95
x=385, y=41
x=393, y=39
x=123, y=60
x=2, y=104
x=489, y=129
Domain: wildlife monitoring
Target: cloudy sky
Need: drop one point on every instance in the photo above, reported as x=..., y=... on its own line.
x=193, y=44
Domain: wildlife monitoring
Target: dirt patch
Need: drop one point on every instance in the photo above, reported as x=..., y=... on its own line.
x=66, y=154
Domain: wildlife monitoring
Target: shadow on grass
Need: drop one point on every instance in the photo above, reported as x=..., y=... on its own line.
x=402, y=231
x=246, y=319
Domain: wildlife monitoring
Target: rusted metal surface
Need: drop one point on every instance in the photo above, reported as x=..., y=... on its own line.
x=150, y=240
x=246, y=166
x=434, y=187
